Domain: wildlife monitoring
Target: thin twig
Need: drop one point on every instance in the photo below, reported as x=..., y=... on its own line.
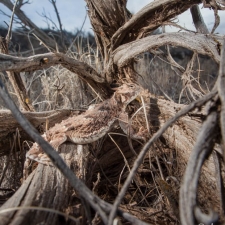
x=9, y=34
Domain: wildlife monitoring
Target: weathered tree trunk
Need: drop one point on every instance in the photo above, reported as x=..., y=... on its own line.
x=46, y=187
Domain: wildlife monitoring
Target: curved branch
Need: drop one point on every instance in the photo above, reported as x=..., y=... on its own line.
x=202, y=149
x=154, y=14
x=202, y=44
x=36, y=62
x=32, y=63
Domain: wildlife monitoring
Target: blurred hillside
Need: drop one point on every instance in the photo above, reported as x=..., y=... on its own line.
x=23, y=43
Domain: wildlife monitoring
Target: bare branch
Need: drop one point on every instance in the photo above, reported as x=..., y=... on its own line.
x=198, y=20
x=60, y=23
x=202, y=149
x=8, y=37
x=148, y=19
x=203, y=44
x=32, y=63
x=221, y=91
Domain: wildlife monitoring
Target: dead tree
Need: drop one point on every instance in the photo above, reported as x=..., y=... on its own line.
x=168, y=172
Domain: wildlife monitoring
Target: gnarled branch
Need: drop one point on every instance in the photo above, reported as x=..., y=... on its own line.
x=149, y=18
x=203, y=44
x=32, y=63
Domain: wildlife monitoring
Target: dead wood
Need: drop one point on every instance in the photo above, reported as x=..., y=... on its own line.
x=198, y=20
x=148, y=19
x=32, y=63
x=188, y=191
x=9, y=125
x=111, y=170
x=53, y=192
x=106, y=18
x=203, y=44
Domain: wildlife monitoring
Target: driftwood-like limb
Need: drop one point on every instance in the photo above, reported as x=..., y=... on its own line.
x=203, y=44
x=198, y=20
x=56, y=193
x=149, y=18
x=9, y=125
x=202, y=149
x=144, y=150
x=32, y=63
x=27, y=22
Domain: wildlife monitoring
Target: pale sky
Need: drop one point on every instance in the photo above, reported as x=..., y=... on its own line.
x=73, y=12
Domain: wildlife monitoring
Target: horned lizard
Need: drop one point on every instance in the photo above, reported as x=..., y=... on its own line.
x=88, y=126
